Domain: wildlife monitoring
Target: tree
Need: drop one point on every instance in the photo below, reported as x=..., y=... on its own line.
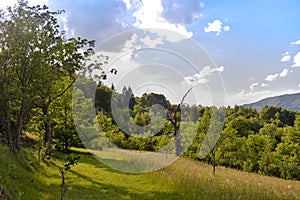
x=64, y=130
x=19, y=27
x=273, y=131
x=202, y=129
x=71, y=160
x=107, y=130
x=103, y=99
x=268, y=113
x=174, y=116
x=241, y=125
x=214, y=137
x=256, y=146
x=35, y=55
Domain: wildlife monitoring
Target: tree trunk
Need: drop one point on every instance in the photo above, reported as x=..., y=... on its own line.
x=48, y=133
x=17, y=140
x=9, y=138
x=178, y=142
x=18, y=129
x=7, y=132
x=214, y=163
x=63, y=185
x=214, y=168
x=66, y=146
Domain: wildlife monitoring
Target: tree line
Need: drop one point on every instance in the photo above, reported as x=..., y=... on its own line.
x=265, y=142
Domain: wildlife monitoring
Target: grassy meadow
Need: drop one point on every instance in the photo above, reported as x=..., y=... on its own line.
x=22, y=177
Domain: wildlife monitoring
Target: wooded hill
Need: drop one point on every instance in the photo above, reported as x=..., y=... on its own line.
x=287, y=101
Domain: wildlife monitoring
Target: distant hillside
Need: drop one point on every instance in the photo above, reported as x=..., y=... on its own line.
x=287, y=101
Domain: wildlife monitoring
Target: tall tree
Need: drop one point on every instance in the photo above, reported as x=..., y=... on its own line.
x=214, y=137
x=64, y=130
x=18, y=69
x=35, y=54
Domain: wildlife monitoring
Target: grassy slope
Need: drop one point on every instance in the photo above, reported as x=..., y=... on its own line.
x=90, y=179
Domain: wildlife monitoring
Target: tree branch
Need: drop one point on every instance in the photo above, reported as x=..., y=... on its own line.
x=185, y=96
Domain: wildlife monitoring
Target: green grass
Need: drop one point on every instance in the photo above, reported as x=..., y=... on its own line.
x=24, y=178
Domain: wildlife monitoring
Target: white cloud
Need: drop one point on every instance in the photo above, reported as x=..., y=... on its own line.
x=149, y=16
x=273, y=77
x=201, y=77
x=297, y=42
x=127, y=3
x=226, y=28
x=202, y=81
x=182, y=12
x=286, y=57
x=65, y=25
x=191, y=80
x=240, y=93
x=151, y=43
x=264, y=85
x=297, y=60
x=208, y=71
x=284, y=73
x=216, y=26
x=253, y=85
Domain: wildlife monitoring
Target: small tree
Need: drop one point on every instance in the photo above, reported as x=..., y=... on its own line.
x=71, y=160
x=174, y=116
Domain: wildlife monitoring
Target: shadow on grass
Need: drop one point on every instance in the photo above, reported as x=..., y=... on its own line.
x=90, y=159
x=97, y=190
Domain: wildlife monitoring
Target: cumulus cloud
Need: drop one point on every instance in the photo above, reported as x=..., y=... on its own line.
x=253, y=85
x=127, y=3
x=296, y=60
x=273, y=77
x=286, y=57
x=165, y=14
x=297, y=42
x=191, y=80
x=216, y=26
x=93, y=19
x=207, y=71
x=182, y=12
x=201, y=77
x=151, y=43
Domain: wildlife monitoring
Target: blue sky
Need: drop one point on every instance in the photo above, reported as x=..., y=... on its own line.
x=247, y=50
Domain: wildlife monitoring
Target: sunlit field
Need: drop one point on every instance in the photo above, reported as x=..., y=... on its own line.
x=24, y=178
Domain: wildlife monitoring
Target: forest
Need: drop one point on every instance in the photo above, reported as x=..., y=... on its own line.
x=265, y=142
x=39, y=65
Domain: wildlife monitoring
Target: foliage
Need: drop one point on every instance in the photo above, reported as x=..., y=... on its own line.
x=263, y=142
x=35, y=55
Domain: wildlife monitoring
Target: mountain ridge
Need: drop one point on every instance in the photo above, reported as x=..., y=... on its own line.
x=287, y=101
